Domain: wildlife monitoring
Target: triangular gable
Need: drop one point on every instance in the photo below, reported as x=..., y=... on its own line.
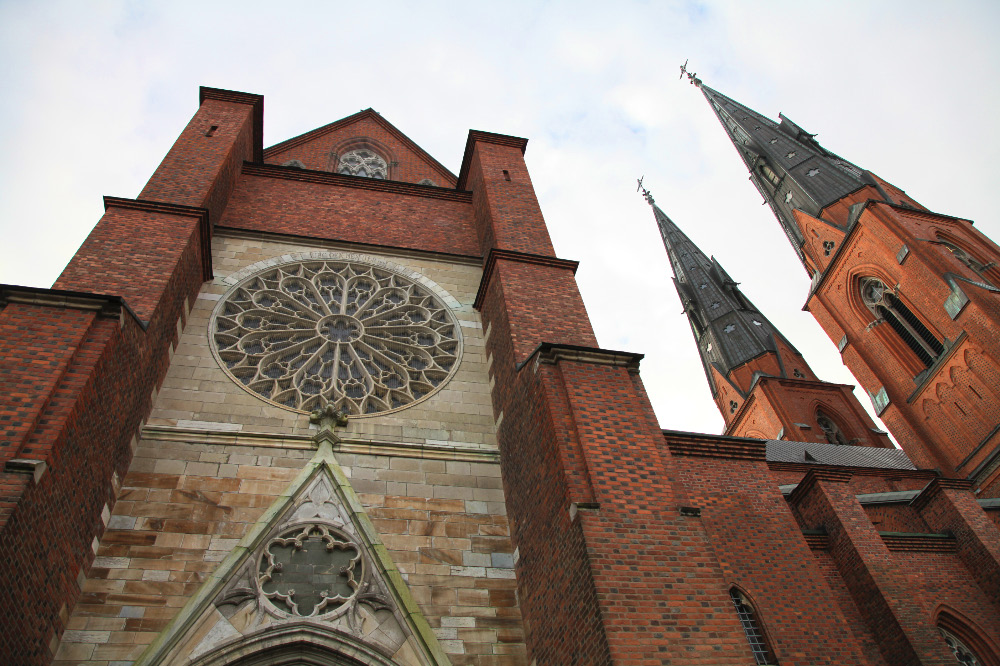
x=249, y=604
x=317, y=149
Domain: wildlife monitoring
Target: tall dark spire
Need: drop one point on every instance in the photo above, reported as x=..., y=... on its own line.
x=790, y=169
x=728, y=329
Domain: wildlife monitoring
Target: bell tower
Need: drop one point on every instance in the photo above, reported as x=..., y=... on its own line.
x=761, y=384
x=911, y=297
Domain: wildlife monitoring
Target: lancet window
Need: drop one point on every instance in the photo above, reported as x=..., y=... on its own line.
x=751, y=627
x=831, y=430
x=889, y=308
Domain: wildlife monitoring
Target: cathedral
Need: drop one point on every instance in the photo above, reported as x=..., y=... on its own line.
x=329, y=403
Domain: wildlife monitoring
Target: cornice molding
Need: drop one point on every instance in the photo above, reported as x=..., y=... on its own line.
x=495, y=255
x=342, y=180
x=202, y=214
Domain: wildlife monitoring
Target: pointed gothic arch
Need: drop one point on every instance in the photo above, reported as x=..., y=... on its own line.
x=753, y=627
x=303, y=644
x=967, y=641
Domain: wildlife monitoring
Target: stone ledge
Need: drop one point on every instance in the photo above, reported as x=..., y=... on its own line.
x=551, y=353
x=426, y=450
x=111, y=307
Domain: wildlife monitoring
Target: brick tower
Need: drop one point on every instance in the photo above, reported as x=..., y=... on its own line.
x=909, y=296
x=330, y=403
x=760, y=382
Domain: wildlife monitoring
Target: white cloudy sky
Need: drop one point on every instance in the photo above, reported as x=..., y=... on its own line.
x=94, y=93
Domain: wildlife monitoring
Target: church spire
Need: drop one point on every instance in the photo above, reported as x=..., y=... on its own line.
x=728, y=329
x=760, y=382
x=787, y=165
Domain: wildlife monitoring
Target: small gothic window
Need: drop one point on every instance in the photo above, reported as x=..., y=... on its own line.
x=732, y=406
x=715, y=305
x=427, y=181
x=887, y=307
x=775, y=140
x=788, y=197
x=830, y=430
x=751, y=627
x=828, y=247
x=790, y=155
x=729, y=328
x=812, y=172
x=963, y=654
x=363, y=162
x=294, y=163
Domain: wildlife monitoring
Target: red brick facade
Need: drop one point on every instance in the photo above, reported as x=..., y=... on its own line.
x=629, y=541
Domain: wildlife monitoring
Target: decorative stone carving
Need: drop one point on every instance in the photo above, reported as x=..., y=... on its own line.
x=364, y=163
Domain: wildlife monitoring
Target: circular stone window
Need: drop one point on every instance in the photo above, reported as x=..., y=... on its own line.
x=367, y=339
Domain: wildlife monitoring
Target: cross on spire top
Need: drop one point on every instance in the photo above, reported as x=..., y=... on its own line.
x=693, y=78
x=646, y=194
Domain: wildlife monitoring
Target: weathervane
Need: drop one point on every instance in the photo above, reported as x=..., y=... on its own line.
x=695, y=81
x=646, y=194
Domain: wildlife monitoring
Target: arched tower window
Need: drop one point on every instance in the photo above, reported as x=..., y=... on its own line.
x=887, y=307
x=751, y=627
x=976, y=266
x=363, y=162
x=831, y=430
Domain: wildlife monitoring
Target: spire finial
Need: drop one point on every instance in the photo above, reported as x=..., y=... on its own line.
x=646, y=194
x=693, y=78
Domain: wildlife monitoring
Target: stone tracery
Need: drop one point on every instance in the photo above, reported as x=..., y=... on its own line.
x=363, y=338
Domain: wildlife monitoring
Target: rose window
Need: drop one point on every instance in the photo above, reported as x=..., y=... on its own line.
x=310, y=570
x=363, y=338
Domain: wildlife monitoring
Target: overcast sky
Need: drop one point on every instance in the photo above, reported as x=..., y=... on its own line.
x=94, y=94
